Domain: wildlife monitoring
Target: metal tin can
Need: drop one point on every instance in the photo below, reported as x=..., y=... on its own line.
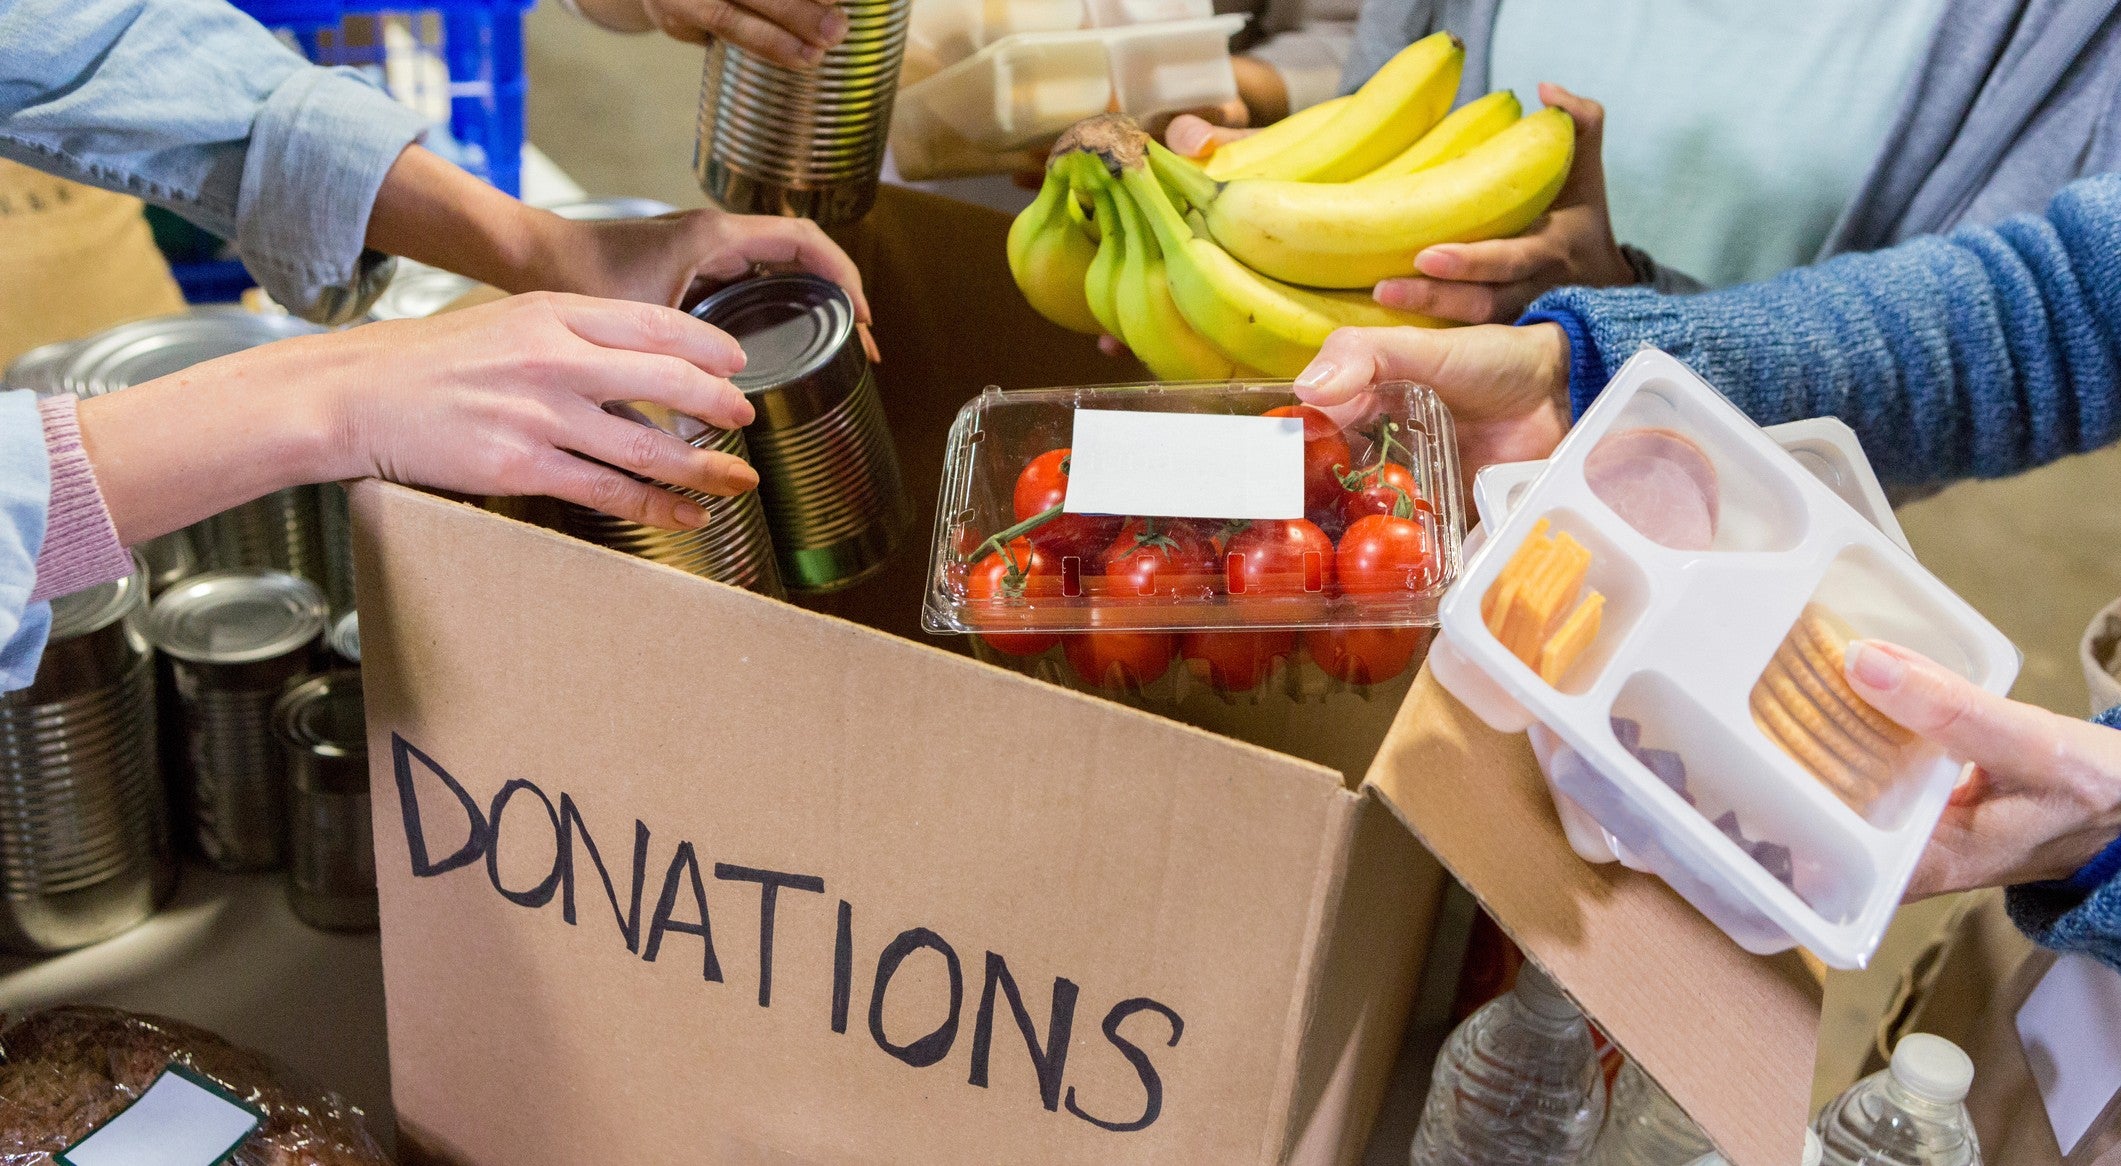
x=84, y=841
x=234, y=639
x=335, y=542
x=417, y=291
x=733, y=547
x=807, y=143
x=344, y=639
x=41, y=368
x=278, y=531
x=828, y=471
x=331, y=869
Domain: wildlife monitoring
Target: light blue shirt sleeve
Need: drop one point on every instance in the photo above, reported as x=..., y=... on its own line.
x=25, y=495
x=195, y=107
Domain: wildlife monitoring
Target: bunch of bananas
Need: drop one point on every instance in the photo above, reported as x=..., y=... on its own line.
x=1241, y=267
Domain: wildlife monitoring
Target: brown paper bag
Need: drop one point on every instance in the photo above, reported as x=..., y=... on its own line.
x=1968, y=987
x=77, y=260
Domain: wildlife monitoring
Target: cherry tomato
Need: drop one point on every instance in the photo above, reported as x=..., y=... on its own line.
x=1162, y=557
x=1365, y=655
x=1021, y=573
x=1122, y=659
x=1278, y=558
x=1042, y=486
x=1384, y=489
x=1383, y=555
x=1326, y=457
x=1236, y=661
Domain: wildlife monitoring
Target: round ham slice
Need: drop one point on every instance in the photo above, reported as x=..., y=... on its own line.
x=1659, y=482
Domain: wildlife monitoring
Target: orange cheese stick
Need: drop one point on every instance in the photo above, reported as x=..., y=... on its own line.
x=1570, y=640
x=1530, y=552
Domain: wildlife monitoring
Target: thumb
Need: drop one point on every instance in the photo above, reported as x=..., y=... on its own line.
x=1353, y=359
x=1587, y=173
x=1190, y=136
x=1968, y=722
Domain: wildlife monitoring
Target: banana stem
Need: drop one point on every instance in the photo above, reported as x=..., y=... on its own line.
x=1170, y=230
x=1191, y=183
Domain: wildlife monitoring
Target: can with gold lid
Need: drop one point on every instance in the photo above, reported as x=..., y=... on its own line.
x=828, y=471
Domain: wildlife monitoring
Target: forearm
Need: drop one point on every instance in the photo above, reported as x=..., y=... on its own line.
x=430, y=211
x=1978, y=355
x=187, y=446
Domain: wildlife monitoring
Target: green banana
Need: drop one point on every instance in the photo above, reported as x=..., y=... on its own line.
x=1101, y=283
x=1050, y=251
x=1257, y=322
x=1256, y=148
x=1352, y=234
x=1150, y=323
x=1393, y=108
x=1468, y=126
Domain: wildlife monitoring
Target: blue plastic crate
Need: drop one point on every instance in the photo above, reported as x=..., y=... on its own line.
x=479, y=42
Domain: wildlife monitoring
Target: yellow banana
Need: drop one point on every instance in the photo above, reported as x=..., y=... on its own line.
x=1050, y=251
x=1392, y=109
x=1455, y=136
x=1101, y=282
x=1257, y=322
x=1150, y=324
x=1352, y=234
x=1231, y=157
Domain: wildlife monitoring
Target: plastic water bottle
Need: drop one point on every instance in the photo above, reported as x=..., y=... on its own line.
x=1518, y=1085
x=1909, y=1115
x=1811, y=1153
x=1645, y=1127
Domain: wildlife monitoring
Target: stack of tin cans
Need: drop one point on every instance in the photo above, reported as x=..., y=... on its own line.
x=84, y=841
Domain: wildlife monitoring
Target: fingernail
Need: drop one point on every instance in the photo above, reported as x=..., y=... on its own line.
x=1875, y=668
x=1394, y=293
x=835, y=26
x=813, y=54
x=1439, y=263
x=689, y=516
x=1188, y=136
x=1319, y=372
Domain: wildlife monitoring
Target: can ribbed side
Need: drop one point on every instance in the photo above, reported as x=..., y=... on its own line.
x=734, y=547
x=84, y=847
x=239, y=784
x=782, y=141
x=278, y=532
x=834, y=497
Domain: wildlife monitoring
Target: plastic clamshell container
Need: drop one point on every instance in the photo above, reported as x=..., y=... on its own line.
x=948, y=31
x=1022, y=90
x=1687, y=635
x=1207, y=643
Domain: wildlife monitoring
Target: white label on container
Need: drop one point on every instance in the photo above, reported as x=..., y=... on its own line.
x=179, y=1121
x=2071, y=1029
x=1186, y=465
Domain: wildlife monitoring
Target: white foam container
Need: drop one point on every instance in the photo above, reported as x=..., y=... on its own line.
x=948, y=31
x=1685, y=636
x=1022, y=91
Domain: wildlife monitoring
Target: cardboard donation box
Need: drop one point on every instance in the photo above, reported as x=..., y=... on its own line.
x=672, y=872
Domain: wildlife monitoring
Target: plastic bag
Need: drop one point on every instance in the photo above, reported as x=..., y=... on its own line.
x=65, y=1071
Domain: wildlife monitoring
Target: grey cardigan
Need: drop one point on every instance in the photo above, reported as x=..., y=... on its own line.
x=2012, y=100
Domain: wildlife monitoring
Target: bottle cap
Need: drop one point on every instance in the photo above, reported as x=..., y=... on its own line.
x=1813, y=1151
x=1932, y=1068
x=1538, y=993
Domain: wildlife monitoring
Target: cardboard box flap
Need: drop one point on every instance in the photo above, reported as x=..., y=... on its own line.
x=1731, y=1036
x=817, y=812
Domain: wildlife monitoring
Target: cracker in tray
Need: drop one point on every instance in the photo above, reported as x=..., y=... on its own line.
x=1803, y=703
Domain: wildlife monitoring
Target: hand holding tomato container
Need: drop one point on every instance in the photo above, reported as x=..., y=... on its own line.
x=1152, y=540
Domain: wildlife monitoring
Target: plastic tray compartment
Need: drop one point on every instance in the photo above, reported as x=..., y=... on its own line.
x=1707, y=727
x=1225, y=606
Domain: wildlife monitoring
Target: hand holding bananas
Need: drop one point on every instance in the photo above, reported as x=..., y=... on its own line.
x=1246, y=266
x=1572, y=245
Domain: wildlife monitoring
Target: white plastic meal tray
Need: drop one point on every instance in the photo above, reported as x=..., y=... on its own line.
x=1688, y=631
x=948, y=31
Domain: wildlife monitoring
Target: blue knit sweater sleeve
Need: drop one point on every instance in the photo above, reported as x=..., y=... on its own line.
x=2083, y=912
x=1978, y=354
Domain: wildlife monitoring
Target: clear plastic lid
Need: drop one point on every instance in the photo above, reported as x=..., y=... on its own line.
x=1181, y=507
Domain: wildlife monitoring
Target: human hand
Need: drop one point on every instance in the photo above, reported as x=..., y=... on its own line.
x=792, y=33
x=505, y=398
x=1196, y=134
x=1507, y=388
x=674, y=259
x=2044, y=794
x=1571, y=245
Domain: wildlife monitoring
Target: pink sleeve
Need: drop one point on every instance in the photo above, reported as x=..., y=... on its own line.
x=81, y=547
